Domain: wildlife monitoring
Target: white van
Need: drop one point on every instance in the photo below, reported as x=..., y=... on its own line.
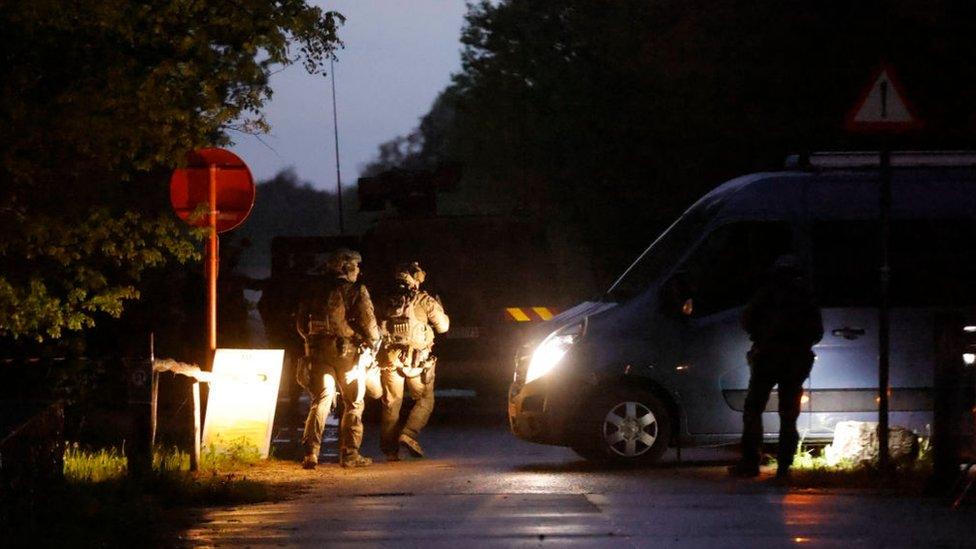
x=655, y=363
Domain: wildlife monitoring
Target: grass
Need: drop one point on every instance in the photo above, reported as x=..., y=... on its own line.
x=93, y=466
x=98, y=504
x=219, y=480
x=230, y=455
x=812, y=469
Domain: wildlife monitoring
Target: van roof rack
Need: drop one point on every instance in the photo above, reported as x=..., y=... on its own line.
x=872, y=159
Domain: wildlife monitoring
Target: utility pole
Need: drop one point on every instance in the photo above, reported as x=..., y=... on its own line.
x=335, y=127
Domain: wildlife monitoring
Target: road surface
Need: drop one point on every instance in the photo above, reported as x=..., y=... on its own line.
x=482, y=487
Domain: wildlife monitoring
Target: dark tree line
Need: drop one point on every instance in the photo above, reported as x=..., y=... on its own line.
x=288, y=206
x=613, y=117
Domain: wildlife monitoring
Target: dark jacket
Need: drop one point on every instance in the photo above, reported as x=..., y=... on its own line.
x=783, y=315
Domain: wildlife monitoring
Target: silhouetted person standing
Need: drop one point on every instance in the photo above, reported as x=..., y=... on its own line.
x=784, y=324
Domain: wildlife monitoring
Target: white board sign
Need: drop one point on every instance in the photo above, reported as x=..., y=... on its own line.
x=243, y=397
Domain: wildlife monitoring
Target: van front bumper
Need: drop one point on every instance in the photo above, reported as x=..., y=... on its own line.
x=544, y=410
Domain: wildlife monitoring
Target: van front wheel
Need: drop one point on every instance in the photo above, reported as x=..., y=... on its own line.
x=625, y=427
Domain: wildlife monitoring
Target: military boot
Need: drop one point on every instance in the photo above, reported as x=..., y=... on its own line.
x=353, y=459
x=412, y=446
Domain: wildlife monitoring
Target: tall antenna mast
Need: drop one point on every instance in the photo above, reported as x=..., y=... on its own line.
x=335, y=127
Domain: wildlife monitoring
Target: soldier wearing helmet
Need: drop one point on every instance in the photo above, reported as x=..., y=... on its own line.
x=336, y=320
x=783, y=323
x=409, y=320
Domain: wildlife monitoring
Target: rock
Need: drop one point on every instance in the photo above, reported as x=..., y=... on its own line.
x=857, y=442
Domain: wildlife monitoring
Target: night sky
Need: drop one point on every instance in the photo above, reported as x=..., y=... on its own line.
x=397, y=57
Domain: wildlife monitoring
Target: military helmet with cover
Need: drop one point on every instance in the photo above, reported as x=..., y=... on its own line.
x=403, y=325
x=343, y=261
x=411, y=273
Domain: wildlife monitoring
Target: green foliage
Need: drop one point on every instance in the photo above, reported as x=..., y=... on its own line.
x=170, y=460
x=82, y=466
x=99, y=102
x=310, y=212
x=812, y=468
x=232, y=455
x=612, y=117
x=82, y=269
x=110, y=464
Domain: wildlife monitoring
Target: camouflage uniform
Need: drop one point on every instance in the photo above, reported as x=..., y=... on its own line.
x=394, y=363
x=783, y=323
x=336, y=319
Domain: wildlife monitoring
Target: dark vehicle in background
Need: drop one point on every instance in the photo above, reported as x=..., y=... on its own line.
x=660, y=360
x=491, y=274
x=496, y=275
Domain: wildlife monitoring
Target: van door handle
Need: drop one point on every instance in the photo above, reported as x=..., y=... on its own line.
x=848, y=333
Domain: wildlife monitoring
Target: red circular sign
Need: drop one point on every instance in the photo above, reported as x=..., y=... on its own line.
x=189, y=189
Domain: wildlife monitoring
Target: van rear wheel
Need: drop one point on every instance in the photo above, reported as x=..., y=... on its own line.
x=625, y=427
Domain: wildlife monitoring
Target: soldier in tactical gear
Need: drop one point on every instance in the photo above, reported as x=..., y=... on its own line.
x=336, y=320
x=409, y=320
x=783, y=323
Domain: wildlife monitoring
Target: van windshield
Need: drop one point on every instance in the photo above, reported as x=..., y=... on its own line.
x=661, y=254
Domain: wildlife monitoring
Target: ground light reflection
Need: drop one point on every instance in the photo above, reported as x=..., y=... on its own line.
x=802, y=513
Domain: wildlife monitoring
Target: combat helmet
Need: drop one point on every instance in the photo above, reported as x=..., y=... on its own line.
x=410, y=273
x=343, y=261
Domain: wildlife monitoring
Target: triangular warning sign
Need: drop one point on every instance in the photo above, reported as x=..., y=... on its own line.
x=883, y=106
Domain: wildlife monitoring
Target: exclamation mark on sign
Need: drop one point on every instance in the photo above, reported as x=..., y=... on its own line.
x=884, y=99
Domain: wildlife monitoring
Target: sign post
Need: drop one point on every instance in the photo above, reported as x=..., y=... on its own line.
x=220, y=181
x=213, y=261
x=883, y=110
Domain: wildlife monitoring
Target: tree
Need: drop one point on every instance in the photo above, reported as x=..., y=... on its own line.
x=612, y=117
x=422, y=148
x=98, y=101
x=287, y=206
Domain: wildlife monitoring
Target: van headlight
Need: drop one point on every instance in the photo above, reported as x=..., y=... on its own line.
x=551, y=351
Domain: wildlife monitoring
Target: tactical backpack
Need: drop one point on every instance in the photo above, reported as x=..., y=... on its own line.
x=328, y=313
x=402, y=325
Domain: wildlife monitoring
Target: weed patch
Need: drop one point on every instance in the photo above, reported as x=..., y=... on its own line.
x=812, y=468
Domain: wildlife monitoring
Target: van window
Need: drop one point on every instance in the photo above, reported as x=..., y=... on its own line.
x=728, y=267
x=661, y=254
x=845, y=263
x=933, y=263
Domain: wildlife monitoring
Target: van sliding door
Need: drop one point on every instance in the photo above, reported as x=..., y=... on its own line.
x=725, y=271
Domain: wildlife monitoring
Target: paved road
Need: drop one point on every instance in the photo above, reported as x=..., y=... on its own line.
x=482, y=487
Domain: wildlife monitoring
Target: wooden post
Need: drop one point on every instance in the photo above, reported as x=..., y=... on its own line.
x=138, y=447
x=195, y=454
x=154, y=406
x=154, y=392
